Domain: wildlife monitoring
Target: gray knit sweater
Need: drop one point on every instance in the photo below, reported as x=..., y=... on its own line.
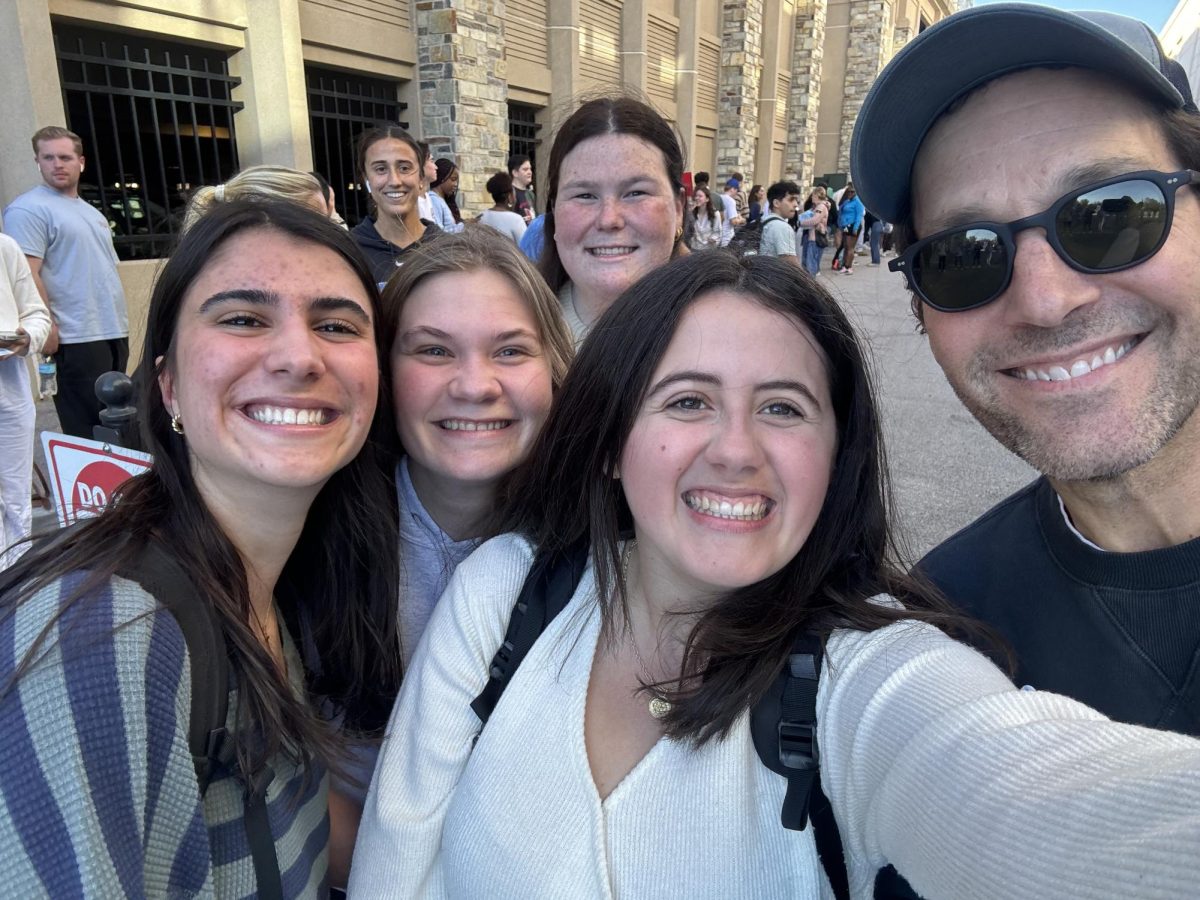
x=98, y=795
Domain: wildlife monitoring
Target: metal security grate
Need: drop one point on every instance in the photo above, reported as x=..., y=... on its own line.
x=340, y=107
x=156, y=118
x=522, y=132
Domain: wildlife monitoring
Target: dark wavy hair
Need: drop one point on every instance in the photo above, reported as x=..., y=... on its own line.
x=596, y=117
x=337, y=591
x=566, y=492
x=500, y=186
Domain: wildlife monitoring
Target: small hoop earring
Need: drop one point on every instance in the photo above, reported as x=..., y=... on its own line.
x=679, y=233
x=177, y=424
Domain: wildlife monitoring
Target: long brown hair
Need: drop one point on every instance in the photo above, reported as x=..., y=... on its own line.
x=738, y=645
x=337, y=590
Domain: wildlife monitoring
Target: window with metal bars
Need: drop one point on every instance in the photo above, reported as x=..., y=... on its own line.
x=340, y=108
x=523, y=129
x=156, y=119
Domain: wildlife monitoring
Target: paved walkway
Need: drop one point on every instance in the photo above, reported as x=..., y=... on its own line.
x=946, y=469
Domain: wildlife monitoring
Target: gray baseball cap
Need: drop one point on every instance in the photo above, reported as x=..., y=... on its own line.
x=972, y=47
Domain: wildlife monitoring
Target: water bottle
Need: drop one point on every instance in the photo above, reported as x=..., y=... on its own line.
x=47, y=377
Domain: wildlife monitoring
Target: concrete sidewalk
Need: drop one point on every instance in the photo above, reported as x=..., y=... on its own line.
x=945, y=468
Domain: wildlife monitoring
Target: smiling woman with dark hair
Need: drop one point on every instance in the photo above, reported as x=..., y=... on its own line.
x=715, y=449
x=266, y=507
x=615, y=205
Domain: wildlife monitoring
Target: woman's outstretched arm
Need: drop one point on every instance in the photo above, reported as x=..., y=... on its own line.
x=936, y=764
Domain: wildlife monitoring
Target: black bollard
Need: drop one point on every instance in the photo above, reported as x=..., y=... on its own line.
x=118, y=420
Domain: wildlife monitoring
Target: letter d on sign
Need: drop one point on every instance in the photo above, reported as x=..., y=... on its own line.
x=94, y=484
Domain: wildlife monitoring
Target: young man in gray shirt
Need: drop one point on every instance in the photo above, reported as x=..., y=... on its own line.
x=778, y=239
x=69, y=247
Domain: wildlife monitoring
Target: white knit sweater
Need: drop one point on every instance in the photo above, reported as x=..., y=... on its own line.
x=931, y=759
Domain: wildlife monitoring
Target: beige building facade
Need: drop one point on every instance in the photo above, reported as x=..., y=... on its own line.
x=170, y=95
x=1181, y=38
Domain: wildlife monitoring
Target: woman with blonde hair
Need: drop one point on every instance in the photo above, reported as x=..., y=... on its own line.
x=477, y=346
x=259, y=183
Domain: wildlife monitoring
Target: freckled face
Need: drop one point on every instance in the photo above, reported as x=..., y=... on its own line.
x=727, y=465
x=273, y=369
x=615, y=215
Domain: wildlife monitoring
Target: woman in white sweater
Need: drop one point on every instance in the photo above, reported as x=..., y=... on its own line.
x=720, y=412
x=24, y=326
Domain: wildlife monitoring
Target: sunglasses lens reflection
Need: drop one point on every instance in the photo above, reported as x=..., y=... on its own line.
x=1113, y=226
x=1104, y=229
x=963, y=269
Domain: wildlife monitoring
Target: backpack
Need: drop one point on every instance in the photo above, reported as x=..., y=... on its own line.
x=747, y=239
x=162, y=577
x=783, y=724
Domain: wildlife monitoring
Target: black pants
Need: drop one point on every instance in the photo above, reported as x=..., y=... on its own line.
x=79, y=365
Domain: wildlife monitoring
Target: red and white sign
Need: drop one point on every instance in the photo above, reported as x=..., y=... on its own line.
x=83, y=473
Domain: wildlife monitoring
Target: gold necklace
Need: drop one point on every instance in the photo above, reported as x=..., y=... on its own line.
x=658, y=706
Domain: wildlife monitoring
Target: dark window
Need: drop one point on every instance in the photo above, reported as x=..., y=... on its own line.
x=156, y=118
x=522, y=132
x=340, y=107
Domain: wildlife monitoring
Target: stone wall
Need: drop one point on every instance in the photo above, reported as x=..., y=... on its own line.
x=741, y=74
x=901, y=36
x=808, y=51
x=869, y=47
x=464, y=89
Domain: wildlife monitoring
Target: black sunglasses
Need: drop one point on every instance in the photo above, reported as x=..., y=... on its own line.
x=1103, y=227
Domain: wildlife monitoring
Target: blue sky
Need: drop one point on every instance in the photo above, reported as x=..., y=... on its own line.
x=1153, y=12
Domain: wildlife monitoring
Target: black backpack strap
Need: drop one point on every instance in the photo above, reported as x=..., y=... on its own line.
x=783, y=725
x=550, y=584
x=160, y=575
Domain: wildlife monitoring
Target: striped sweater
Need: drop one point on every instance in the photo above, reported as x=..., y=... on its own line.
x=98, y=795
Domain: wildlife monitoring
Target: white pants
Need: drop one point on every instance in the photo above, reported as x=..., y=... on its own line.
x=17, y=418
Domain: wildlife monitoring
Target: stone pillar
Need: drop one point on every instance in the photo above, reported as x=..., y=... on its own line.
x=32, y=95
x=799, y=162
x=901, y=36
x=273, y=127
x=464, y=89
x=741, y=75
x=869, y=47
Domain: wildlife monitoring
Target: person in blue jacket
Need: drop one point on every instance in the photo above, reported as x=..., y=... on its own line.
x=850, y=220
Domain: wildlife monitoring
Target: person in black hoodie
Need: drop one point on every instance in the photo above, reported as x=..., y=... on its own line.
x=391, y=164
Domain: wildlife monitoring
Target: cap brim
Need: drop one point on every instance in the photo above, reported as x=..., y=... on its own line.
x=960, y=53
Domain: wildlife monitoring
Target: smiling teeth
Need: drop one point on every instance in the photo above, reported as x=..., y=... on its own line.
x=610, y=251
x=286, y=415
x=744, y=511
x=464, y=425
x=1079, y=367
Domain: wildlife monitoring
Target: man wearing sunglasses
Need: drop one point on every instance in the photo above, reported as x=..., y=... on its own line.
x=1041, y=167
